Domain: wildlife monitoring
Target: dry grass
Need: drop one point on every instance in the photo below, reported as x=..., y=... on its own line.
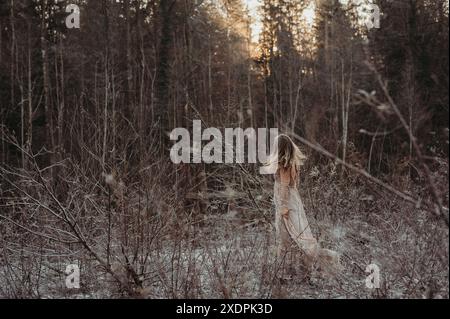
x=157, y=249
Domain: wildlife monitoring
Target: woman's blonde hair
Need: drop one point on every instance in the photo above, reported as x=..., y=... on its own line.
x=286, y=154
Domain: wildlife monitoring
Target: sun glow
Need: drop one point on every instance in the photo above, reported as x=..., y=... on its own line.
x=253, y=6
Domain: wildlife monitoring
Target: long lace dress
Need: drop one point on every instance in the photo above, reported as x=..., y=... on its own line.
x=295, y=228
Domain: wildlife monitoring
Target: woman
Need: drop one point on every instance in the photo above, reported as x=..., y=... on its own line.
x=291, y=224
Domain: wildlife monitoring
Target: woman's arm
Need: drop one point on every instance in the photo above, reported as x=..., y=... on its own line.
x=285, y=180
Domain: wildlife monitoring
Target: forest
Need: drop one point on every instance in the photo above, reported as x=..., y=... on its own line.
x=92, y=206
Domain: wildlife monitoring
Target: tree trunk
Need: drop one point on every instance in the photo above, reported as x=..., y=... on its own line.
x=46, y=84
x=163, y=69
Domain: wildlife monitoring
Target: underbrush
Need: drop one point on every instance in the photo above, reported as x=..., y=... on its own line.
x=138, y=239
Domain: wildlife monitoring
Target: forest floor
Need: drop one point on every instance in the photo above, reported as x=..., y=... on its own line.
x=227, y=259
x=229, y=251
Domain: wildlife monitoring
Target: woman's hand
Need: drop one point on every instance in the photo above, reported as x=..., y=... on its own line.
x=285, y=212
